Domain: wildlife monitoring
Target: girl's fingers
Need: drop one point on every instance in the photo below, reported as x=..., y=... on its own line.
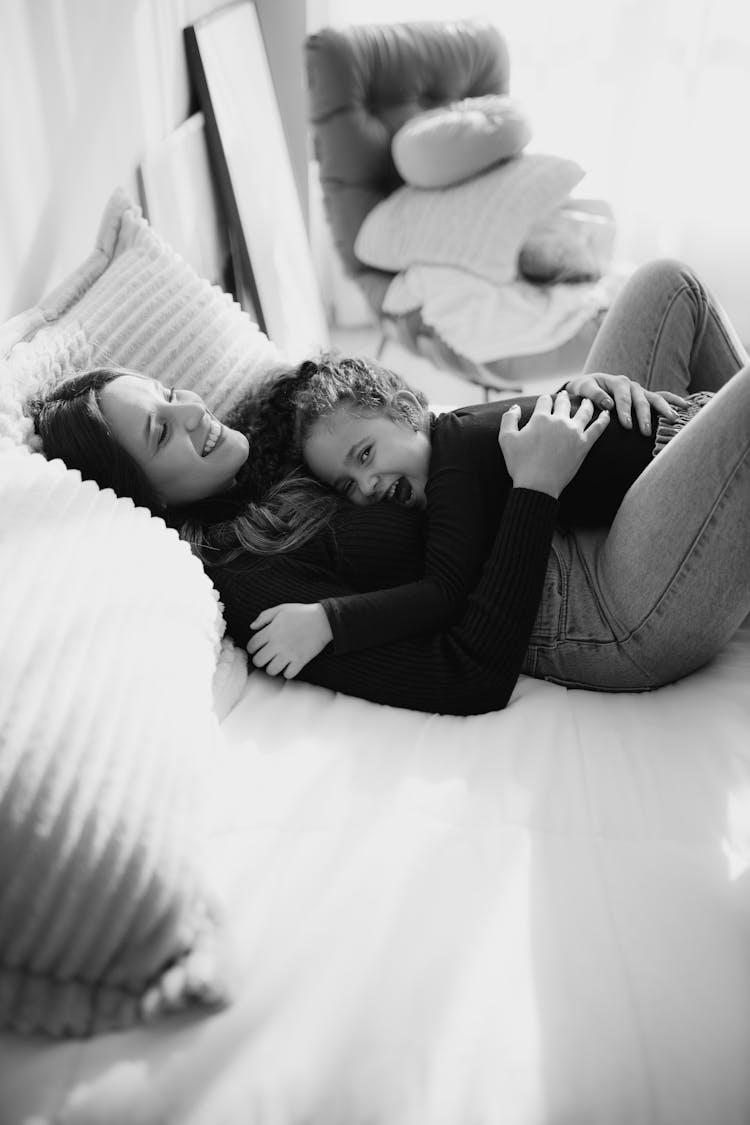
x=256, y=643
x=543, y=404
x=585, y=412
x=509, y=420
x=562, y=404
x=276, y=666
x=593, y=432
x=264, y=617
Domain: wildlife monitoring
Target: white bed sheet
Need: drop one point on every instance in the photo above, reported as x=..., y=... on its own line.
x=538, y=917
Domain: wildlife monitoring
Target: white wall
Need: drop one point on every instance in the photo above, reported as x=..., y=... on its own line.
x=650, y=96
x=86, y=87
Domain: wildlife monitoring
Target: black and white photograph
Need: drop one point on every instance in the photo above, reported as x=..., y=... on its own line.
x=375, y=562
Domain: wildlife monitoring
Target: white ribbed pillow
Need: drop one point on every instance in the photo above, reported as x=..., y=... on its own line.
x=479, y=225
x=109, y=631
x=136, y=303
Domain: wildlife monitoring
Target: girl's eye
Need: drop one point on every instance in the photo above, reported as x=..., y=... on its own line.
x=365, y=454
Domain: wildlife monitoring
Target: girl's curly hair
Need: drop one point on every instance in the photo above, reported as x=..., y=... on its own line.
x=360, y=384
x=277, y=413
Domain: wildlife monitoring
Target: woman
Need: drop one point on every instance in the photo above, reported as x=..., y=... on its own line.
x=664, y=324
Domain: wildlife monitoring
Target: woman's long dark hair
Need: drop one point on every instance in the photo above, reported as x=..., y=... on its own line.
x=274, y=506
x=70, y=423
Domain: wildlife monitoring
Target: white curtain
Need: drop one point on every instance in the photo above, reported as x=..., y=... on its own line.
x=652, y=97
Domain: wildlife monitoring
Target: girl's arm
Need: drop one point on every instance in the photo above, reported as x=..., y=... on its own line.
x=290, y=634
x=461, y=522
x=468, y=668
x=466, y=493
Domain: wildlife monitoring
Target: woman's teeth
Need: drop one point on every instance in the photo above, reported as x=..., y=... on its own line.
x=213, y=436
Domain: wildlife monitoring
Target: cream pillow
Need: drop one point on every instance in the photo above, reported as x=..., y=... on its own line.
x=447, y=145
x=136, y=303
x=479, y=225
x=569, y=245
x=109, y=632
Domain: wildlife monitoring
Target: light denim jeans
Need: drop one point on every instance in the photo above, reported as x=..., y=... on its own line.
x=656, y=595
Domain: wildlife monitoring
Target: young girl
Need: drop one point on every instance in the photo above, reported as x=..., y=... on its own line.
x=303, y=545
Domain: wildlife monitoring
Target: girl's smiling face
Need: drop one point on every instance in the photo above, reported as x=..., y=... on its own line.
x=368, y=458
x=185, y=453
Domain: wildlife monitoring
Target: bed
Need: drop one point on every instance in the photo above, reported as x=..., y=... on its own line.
x=534, y=917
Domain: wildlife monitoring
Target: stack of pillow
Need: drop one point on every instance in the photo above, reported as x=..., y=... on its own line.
x=474, y=200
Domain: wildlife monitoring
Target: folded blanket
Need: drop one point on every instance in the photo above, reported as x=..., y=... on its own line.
x=485, y=321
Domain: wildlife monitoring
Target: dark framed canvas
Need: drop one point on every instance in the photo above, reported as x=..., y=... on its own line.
x=274, y=273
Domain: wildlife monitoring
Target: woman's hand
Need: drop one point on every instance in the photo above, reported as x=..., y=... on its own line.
x=548, y=452
x=625, y=395
x=287, y=637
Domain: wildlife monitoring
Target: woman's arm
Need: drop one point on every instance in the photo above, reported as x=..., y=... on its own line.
x=469, y=668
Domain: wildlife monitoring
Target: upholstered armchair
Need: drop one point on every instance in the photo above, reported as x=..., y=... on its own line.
x=365, y=84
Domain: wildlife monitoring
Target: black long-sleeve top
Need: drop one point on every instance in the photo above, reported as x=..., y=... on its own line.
x=467, y=490
x=467, y=668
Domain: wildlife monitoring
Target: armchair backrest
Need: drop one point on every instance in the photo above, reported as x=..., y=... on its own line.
x=364, y=82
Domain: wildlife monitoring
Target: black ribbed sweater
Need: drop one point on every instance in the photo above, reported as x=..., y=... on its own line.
x=466, y=668
x=467, y=491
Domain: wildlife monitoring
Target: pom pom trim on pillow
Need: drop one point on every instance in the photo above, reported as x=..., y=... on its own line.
x=108, y=637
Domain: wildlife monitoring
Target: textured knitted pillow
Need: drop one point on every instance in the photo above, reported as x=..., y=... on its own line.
x=479, y=225
x=449, y=144
x=136, y=303
x=109, y=631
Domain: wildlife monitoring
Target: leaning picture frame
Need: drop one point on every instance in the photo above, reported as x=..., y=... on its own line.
x=179, y=198
x=272, y=260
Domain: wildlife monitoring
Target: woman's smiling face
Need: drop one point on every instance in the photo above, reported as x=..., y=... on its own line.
x=185, y=453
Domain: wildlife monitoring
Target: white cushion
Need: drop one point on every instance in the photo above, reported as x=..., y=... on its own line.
x=109, y=631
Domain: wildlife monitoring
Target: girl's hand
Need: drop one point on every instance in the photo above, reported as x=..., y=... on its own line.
x=606, y=391
x=548, y=452
x=287, y=637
